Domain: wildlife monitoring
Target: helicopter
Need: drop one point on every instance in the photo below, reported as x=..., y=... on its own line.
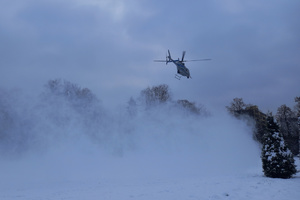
x=182, y=70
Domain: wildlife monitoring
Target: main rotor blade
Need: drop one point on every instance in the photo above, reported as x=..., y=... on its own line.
x=205, y=59
x=183, y=54
x=159, y=60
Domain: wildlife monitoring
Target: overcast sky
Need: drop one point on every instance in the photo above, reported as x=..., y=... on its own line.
x=109, y=46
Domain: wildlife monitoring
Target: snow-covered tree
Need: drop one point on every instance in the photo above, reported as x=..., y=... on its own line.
x=277, y=159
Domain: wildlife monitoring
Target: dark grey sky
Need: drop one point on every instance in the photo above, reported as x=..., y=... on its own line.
x=109, y=46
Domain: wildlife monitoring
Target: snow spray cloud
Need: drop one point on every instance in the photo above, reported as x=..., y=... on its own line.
x=66, y=133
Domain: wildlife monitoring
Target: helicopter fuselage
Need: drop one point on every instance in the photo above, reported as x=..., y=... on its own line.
x=181, y=68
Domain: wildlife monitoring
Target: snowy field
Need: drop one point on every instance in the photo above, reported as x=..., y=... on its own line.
x=249, y=185
x=232, y=187
x=159, y=173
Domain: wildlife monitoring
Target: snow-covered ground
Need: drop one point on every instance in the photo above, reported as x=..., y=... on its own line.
x=251, y=185
x=73, y=174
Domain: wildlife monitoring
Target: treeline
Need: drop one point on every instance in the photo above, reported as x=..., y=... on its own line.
x=64, y=109
x=279, y=135
x=31, y=122
x=288, y=121
x=152, y=97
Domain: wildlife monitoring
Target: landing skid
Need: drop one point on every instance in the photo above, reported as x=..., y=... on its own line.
x=178, y=77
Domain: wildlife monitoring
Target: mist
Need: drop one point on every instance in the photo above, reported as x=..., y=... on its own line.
x=66, y=133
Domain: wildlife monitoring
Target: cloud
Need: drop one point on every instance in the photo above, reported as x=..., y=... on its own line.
x=119, y=10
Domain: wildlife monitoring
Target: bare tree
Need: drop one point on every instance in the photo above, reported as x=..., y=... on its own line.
x=251, y=113
x=288, y=126
x=132, y=107
x=192, y=107
x=297, y=109
x=236, y=106
x=156, y=94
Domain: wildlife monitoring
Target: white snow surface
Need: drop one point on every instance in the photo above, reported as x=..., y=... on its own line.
x=152, y=156
x=248, y=185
